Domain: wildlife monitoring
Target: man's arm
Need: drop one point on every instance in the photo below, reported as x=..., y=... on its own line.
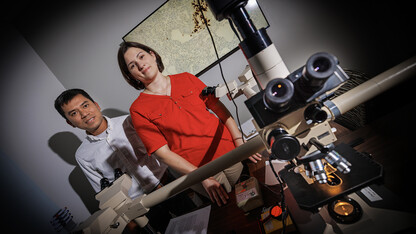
x=93, y=176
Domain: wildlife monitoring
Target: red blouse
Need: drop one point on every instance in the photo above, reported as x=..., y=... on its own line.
x=182, y=121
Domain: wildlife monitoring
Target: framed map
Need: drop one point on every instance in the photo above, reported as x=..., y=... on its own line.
x=178, y=33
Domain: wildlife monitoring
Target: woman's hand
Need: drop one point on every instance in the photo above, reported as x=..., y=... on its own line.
x=255, y=157
x=215, y=191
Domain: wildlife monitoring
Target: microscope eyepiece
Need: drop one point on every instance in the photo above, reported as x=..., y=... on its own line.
x=317, y=70
x=321, y=65
x=278, y=94
x=104, y=182
x=117, y=173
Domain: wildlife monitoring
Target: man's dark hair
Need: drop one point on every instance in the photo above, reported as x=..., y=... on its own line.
x=67, y=96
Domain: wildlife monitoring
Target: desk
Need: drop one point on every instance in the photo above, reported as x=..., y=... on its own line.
x=231, y=219
x=389, y=140
x=386, y=139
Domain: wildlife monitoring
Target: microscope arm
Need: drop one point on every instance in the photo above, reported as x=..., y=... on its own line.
x=117, y=209
x=372, y=87
x=240, y=153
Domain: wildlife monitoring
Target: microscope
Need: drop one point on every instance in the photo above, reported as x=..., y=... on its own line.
x=292, y=114
x=291, y=111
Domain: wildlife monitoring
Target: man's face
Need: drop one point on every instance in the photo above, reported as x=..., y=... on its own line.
x=82, y=113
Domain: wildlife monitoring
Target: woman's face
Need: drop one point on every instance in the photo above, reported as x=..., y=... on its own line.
x=142, y=65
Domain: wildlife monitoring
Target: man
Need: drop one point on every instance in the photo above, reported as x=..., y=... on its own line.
x=112, y=143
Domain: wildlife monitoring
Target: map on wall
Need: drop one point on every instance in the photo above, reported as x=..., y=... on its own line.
x=176, y=30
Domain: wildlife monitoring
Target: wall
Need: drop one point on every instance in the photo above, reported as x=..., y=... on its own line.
x=35, y=180
x=74, y=44
x=79, y=40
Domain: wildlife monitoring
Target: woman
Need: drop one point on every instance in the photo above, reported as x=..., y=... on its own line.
x=172, y=119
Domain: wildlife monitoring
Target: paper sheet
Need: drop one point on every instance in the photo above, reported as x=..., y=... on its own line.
x=270, y=178
x=249, y=129
x=194, y=222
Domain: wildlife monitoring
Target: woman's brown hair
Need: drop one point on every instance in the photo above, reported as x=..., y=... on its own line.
x=124, y=46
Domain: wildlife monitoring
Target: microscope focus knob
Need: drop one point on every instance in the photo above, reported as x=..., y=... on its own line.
x=104, y=182
x=284, y=146
x=117, y=173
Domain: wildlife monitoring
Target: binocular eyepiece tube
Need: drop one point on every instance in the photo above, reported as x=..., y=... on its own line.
x=317, y=70
x=278, y=94
x=302, y=85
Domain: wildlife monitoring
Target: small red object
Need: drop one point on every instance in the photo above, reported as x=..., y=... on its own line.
x=275, y=211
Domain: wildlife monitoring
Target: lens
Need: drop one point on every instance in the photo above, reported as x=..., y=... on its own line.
x=104, y=182
x=278, y=94
x=279, y=90
x=321, y=65
x=317, y=70
x=318, y=171
x=343, y=208
x=336, y=160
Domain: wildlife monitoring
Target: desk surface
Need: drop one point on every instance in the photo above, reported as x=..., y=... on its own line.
x=389, y=140
x=386, y=139
x=231, y=219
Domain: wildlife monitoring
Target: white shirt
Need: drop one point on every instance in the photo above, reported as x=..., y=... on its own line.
x=119, y=147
